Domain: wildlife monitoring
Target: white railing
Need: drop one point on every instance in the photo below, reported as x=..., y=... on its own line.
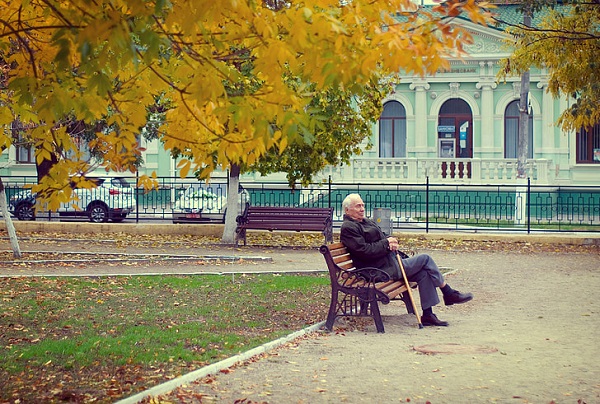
x=416, y=170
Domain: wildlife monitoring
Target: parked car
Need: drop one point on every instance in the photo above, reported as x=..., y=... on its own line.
x=112, y=199
x=202, y=204
x=22, y=205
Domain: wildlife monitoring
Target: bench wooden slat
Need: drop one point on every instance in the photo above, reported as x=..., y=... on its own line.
x=392, y=287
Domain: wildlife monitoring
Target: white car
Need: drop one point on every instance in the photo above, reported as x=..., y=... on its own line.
x=112, y=199
x=199, y=204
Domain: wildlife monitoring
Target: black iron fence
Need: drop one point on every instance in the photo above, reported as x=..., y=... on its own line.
x=419, y=207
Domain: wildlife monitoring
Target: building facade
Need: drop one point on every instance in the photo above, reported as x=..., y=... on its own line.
x=461, y=125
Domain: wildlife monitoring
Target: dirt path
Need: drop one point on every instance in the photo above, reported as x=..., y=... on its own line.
x=530, y=336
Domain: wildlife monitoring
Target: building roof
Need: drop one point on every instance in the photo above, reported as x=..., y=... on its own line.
x=511, y=14
x=507, y=15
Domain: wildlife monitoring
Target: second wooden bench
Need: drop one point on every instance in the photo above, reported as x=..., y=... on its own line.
x=285, y=218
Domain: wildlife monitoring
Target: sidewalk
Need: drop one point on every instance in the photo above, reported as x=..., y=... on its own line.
x=529, y=336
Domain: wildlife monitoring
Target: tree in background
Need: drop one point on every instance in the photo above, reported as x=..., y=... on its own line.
x=344, y=121
x=566, y=43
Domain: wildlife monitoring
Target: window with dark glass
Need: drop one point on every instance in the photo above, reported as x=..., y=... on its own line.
x=588, y=145
x=25, y=152
x=511, y=132
x=392, y=130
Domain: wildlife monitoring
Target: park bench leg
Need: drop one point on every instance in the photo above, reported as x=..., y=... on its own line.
x=406, y=299
x=377, y=316
x=332, y=312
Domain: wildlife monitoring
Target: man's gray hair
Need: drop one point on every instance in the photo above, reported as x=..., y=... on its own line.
x=348, y=201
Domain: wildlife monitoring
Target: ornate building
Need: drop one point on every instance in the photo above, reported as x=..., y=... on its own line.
x=461, y=125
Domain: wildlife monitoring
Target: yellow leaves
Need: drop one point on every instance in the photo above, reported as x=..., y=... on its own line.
x=224, y=65
x=6, y=116
x=184, y=167
x=283, y=143
x=561, y=48
x=263, y=27
x=148, y=183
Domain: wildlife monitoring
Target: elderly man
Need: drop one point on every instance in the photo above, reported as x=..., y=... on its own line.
x=370, y=247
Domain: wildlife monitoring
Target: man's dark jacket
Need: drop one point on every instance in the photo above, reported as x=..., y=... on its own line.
x=368, y=246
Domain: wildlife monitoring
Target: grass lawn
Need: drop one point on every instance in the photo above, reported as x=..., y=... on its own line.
x=102, y=339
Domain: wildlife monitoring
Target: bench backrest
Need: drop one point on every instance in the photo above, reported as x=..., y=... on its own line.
x=286, y=218
x=258, y=211
x=337, y=258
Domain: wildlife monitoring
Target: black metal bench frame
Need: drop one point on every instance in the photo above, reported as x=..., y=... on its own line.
x=285, y=218
x=358, y=292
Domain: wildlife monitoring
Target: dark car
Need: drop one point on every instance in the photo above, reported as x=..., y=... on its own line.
x=22, y=205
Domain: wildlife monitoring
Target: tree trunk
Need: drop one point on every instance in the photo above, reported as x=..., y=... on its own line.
x=43, y=168
x=10, y=227
x=523, y=136
x=233, y=205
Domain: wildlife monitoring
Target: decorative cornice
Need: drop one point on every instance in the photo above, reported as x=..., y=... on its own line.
x=419, y=85
x=486, y=84
x=454, y=86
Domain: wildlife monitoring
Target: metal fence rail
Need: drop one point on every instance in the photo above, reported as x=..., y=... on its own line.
x=419, y=207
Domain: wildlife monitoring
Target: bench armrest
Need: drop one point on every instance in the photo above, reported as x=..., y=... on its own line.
x=368, y=274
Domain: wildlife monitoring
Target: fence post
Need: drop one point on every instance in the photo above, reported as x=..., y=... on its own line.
x=329, y=191
x=528, y=205
x=137, y=197
x=427, y=204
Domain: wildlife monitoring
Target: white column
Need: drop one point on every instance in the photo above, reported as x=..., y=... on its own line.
x=487, y=118
x=420, y=87
x=548, y=142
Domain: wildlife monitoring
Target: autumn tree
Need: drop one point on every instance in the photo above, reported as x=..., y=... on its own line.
x=109, y=60
x=566, y=43
x=344, y=121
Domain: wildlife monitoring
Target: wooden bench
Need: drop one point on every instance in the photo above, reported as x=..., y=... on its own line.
x=285, y=218
x=358, y=292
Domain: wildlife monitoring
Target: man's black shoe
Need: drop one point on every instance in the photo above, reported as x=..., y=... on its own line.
x=456, y=298
x=431, y=320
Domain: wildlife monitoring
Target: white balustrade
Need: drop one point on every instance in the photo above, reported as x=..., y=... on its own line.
x=416, y=170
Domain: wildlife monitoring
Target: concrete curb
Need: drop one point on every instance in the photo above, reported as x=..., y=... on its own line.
x=216, y=230
x=217, y=367
x=539, y=237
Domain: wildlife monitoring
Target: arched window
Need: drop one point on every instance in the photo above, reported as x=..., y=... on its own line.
x=392, y=130
x=455, y=138
x=455, y=125
x=511, y=132
x=588, y=145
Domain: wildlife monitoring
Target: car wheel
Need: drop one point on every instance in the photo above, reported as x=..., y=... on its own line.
x=98, y=213
x=25, y=211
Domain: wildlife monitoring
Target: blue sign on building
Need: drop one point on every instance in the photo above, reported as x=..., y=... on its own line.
x=446, y=128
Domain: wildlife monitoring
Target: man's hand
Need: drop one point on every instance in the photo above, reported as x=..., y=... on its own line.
x=394, y=245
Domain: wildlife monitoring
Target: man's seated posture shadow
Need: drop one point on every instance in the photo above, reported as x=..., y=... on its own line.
x=370, y=247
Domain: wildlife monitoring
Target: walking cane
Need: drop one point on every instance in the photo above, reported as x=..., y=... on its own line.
x=412, y=301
